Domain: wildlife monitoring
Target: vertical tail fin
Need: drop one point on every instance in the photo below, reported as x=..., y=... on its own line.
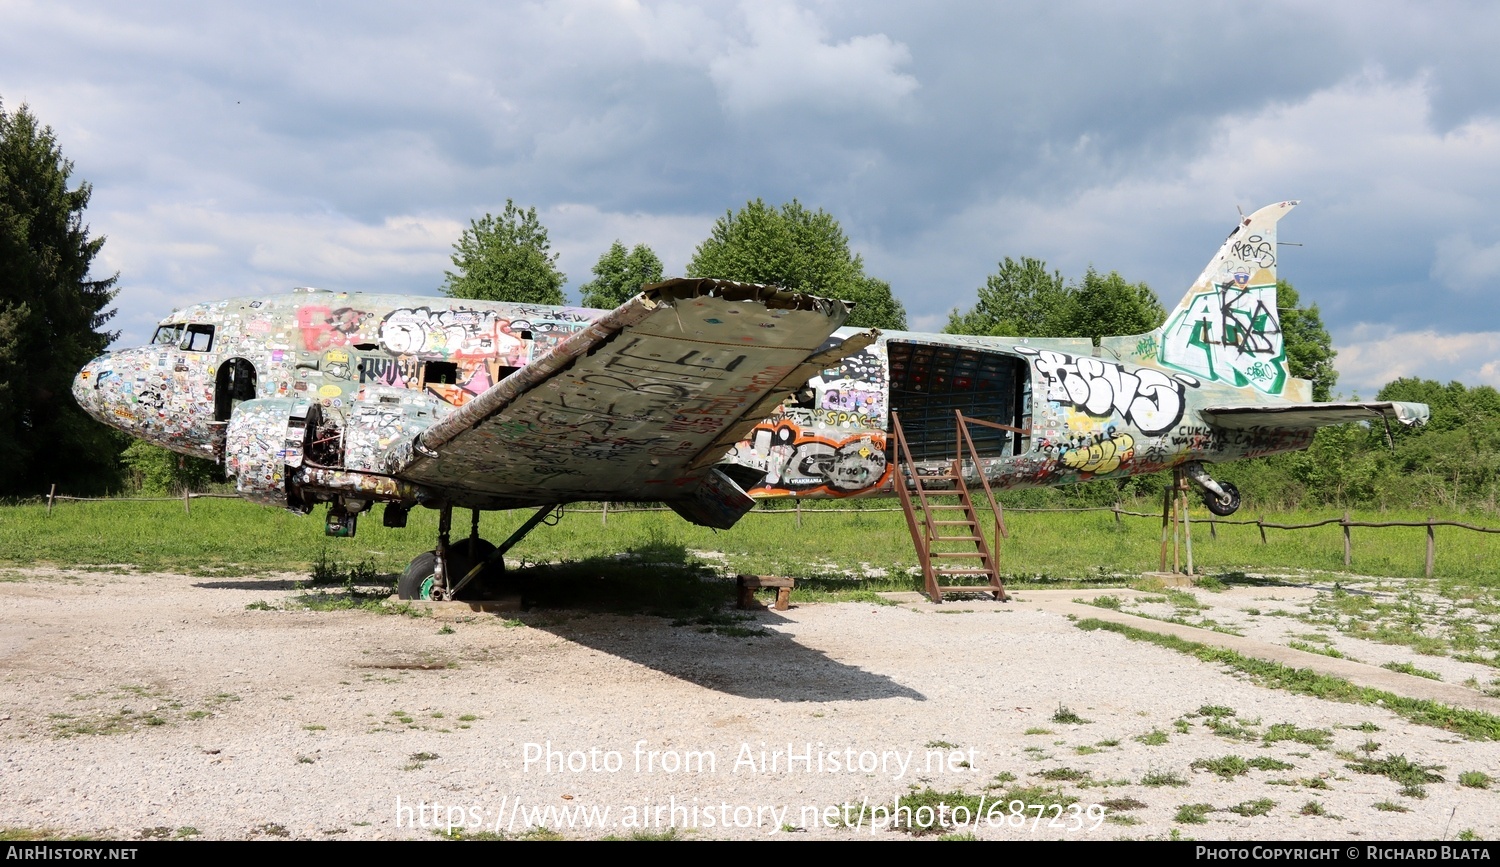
x=1226, y=328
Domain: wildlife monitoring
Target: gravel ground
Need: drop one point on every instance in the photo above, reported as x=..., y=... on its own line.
x=172, y=706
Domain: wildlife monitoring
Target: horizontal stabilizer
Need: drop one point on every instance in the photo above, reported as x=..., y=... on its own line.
x=1311, y=415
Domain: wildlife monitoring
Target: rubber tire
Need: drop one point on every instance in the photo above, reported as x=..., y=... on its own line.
x=416, y=581
x=1220, y=508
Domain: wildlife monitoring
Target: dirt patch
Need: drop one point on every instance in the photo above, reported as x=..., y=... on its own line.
x=170, y=706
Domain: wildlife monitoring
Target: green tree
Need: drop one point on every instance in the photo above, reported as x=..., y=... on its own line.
x=505, y=258
x=1309, y=349
x=619, y=275
x=1024, y=299
x=1103, y=305
x=798, y=249
x=51, y=316
x=1014, y=301
x=155, y=471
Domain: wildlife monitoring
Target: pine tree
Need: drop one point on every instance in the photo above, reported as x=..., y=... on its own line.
x=51, y=317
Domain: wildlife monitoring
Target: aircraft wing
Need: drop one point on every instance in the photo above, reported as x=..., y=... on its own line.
x=639, y=405
x=1312, y=415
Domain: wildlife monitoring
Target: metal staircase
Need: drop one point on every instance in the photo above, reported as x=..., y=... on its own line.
x=940, y=514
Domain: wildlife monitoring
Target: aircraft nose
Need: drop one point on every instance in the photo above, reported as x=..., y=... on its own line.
x=85, y=385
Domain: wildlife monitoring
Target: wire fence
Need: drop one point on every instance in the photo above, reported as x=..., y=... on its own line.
x=605, y=509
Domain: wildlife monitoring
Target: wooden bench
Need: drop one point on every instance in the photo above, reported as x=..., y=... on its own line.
x=748, y=584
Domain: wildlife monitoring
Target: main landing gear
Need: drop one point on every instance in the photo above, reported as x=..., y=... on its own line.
x=1221, y=498
x=468, y=569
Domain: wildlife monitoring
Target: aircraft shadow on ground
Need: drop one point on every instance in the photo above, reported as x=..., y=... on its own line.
x=770, y=665
x=278, y=585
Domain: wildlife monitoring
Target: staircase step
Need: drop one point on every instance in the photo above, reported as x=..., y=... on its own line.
x=956, y=554
x=951, y=572
x=956, y=539
x=954, y=523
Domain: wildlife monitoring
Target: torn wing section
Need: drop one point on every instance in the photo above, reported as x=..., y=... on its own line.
x=636, y=407
x=1312, y=415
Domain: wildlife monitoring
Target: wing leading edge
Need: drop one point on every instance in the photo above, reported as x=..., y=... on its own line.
x=638, y=406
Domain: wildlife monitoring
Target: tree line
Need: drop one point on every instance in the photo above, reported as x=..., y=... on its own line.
x=509, y=258
x=53, y=313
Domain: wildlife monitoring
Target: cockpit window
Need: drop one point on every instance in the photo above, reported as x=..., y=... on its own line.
x=199, y=338
x=168, y=335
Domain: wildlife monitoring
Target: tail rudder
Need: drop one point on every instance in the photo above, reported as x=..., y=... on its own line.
x=1226, y=328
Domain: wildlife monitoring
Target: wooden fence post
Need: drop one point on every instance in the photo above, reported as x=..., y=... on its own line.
x=799, y=513
x=1345, y=522
x=604, y=515
x=51, y=494
x=1117, y=514
x=1431, y=545
x=185, y=500
x=1261, y=523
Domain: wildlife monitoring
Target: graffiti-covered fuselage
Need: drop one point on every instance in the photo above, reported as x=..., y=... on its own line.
x=381, y=369
x=680, y=395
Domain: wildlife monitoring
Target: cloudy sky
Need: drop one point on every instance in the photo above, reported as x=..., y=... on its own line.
x=238, y=149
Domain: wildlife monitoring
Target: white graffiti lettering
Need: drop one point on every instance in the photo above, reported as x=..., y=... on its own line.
x=1148, y=399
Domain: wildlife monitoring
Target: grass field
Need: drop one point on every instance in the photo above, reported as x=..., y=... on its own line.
x=228, y=537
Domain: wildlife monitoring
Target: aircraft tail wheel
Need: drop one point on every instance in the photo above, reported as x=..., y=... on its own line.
x=416, y=582
x=1226, y=506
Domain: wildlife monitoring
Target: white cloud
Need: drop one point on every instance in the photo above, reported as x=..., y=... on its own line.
x=1372, y=355
x=1378, y=183
x=1464, y=265
x=173, y=255
x=581, y=233
x=788, y=62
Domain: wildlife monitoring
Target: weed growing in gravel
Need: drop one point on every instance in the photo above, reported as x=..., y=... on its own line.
x=1157, y=779
x=1234, y=766
x=1257, y=807
x=1193, y=814
x=1065, y=775
x=1391, y=807
x=1400, y=769
x=1471, y=723
x=1321, y=650
x=1475, y=780
x=1291, y=732
x=927, y=811
x=1066, y=716
x=1408, y=668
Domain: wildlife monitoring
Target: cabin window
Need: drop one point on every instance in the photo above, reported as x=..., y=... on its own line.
x=440, y=373
x=168, y=335
x=198, y=338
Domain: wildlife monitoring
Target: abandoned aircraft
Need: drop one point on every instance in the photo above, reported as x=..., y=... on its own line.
x=702, y=394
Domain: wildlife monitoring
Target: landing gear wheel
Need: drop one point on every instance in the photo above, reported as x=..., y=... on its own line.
x=418, y=579
x=416, y=582
x=1226, y=506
